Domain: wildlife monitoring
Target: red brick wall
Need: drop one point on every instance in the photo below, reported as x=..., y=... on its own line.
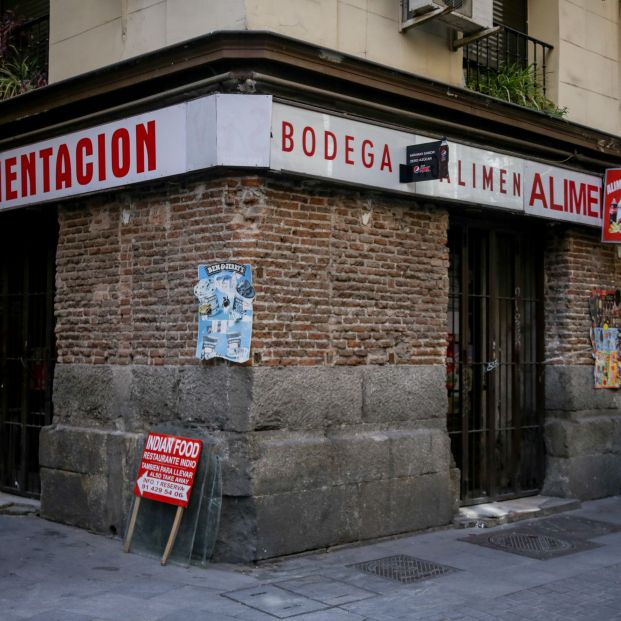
x=575, y=263
x=341, y=277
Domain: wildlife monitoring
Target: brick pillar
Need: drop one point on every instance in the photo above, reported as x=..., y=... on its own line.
x=583, y=425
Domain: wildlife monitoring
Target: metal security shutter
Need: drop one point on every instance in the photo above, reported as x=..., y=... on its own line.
x=511, y=13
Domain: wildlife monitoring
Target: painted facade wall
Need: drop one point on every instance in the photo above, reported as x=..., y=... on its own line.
x=88, y=35
x=585, y=65
x=583, y=73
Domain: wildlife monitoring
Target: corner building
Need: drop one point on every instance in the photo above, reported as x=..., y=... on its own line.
x=416, y=346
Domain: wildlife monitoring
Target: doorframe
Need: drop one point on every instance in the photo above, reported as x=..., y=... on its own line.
x=524, y=232
x=18, y=223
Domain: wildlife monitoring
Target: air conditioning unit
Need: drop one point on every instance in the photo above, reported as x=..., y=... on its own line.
x=468, y=16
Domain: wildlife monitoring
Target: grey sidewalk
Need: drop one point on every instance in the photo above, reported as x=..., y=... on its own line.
x=51, y=572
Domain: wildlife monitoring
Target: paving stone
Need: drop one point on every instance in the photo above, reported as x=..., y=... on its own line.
x=326, y=590
x=50, y=571
x=275, y=601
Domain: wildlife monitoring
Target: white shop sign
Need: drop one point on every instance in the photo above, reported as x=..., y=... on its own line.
x=230, y=130
x=251, y=131
x=327, y=146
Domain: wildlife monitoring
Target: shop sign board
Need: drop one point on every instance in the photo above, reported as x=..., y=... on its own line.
x=561, y=194
x=333, y=147
x=167, y=468
x=252, y=131
x=611, y=222
x=140, y=148
x=221, y=129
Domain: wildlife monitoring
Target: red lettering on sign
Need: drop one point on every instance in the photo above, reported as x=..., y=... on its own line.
x=386, y=163
x=83, y=170
x=145, y=143
x=594, y=193
x=9, y=177
x=460, y=181
x=367, y=156
x=502, y=181
x=553, y=205
x=101, y=156
x=488, y=178
x=517, y=184
x=287, y=137
x=29, y=173
x=577, y=199
x=309, y=151
x=537, y=193
x=120, y=152
x=45, y=155
x=329, y=151
x=63, y=168
x=349, y=149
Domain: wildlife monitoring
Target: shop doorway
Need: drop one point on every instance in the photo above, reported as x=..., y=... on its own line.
x=27, y=353
x=494, y=372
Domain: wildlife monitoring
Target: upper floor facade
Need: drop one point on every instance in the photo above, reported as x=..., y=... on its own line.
x=575, y=45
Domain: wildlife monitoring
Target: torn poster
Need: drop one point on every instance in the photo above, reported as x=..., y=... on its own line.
x=225, y=296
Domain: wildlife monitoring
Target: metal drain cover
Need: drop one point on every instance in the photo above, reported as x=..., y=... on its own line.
x=404, y=569
x=531, y=543
x=537, y=544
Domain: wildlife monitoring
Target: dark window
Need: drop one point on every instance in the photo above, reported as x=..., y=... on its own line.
x=31, y=35
x=511, y=13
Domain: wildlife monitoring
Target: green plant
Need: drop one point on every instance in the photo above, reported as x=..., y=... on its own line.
x=518, y=85
x=18, y=74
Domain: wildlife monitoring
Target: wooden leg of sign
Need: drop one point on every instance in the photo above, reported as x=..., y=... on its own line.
x=173, y=535
x=132, y=524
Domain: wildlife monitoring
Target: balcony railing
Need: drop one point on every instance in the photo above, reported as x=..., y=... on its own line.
x=506, y=48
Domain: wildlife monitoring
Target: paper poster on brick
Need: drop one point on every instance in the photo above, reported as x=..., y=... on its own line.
x=611, y=221
x=225, y=297
x=167, y=469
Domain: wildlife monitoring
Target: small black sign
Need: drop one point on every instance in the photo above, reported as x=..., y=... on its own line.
x=425, y=162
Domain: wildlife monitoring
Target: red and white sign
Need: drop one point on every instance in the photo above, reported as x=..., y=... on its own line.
x=611, y=222
x=327, y=146
x=562, y=194
x=137, y=149
x=252, y=131
x=168, y=468
x=227, y=130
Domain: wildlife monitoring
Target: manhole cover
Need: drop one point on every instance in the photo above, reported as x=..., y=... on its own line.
x=536, y=544
x=404, y=569
x=531, y=543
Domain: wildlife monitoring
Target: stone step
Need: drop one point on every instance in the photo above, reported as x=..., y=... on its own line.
x=18, y=505
x=492, y=514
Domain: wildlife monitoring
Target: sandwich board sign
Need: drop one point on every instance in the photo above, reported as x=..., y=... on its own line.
x=166, y=474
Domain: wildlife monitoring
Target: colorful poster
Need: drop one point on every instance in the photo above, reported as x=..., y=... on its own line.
x=611, y=221
x=605, y=310
x=225, y=296
x=606, y=369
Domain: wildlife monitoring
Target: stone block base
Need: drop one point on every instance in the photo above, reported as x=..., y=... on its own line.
x=310, y=457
